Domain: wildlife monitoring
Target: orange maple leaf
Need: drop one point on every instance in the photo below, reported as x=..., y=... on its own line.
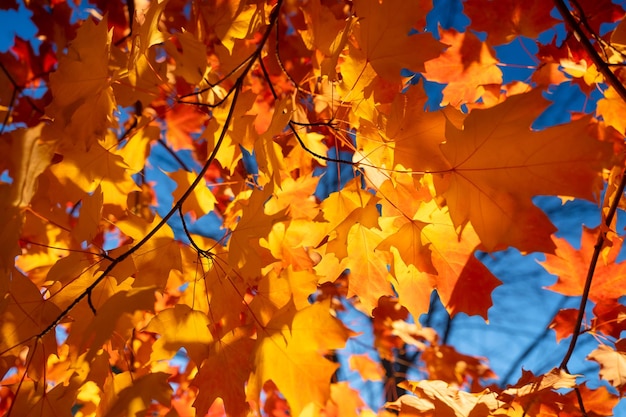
x=233, y=354
x=466, y=67
x=383, y=36
x=499, y=165
x=570, y=266
x=437, y=259
x=503, y=20
x=183, y=121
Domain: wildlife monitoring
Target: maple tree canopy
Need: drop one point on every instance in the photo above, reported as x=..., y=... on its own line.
x=220, y=180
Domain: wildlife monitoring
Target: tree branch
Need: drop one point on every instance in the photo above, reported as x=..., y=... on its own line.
x=237, y=89
x=612, y=80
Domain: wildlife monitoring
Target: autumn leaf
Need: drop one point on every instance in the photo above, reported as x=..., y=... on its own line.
x=385, y=27
x=191, y=62
x=233, y=352
x=334, y=193
x=612, y=364
x=246, y=253
x=157, y=257
x=201, y=201
x=31, y=154
x=183, y=122
x=448, y=265
x=435, y=397
x=570, y=266
x=610, y=107
x=504, y=20
x=326, y=33
x=82, y=172
x=180, y=327
x=293, y=339
x=466, y=68
x=369, y=369
x=563, y=323
x=83, y=103
x=499, y=164
x=90, y=215
x=24, y=315
x=112, y=315
x=137, y=394
x=599, y=401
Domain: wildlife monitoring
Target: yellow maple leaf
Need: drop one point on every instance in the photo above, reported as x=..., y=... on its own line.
x=178, y=327
x=201, y=201
x=83, y=102
x=155, y=258
x=297, y=340
x=133, y=395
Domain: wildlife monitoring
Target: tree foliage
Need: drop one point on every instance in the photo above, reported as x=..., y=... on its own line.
x=214, y=179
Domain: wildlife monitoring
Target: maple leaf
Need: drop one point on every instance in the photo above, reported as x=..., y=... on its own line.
x=180, y=327
x=466, y=67
x=83, y=101
x=157, y=257
x=499, y=164
x=297, y=340
x=183, y=121
x=369, y=369
x=506, y=19
x=134, y=395
x=234, y=353
x=82, y=172
x=571, y=265
x=612, y=364
x=37, y=401
x=292, y=243
x=609, y=319
x=111, y=315
x=445, y=262
x=600, y=12
x=241, y=131
x=245, y=251
x=28, y=156
x=324, y=31
x=191, y=63
x=201, y=201
x=384, y=27
x=297, y=196
x=382, y=49
x=438, y=398
x=610, y=108
x=232, y=19
x=412, y=134
x=446, y=364
x=563, y=323
x=598, y=401
x=25, y=314
x=90, y=215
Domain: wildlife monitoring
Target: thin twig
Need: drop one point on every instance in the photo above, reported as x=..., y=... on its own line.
x=612, y=79
x=238, y=86
x=601, y=65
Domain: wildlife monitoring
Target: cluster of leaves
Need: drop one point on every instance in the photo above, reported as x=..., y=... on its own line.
x=257, y=102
